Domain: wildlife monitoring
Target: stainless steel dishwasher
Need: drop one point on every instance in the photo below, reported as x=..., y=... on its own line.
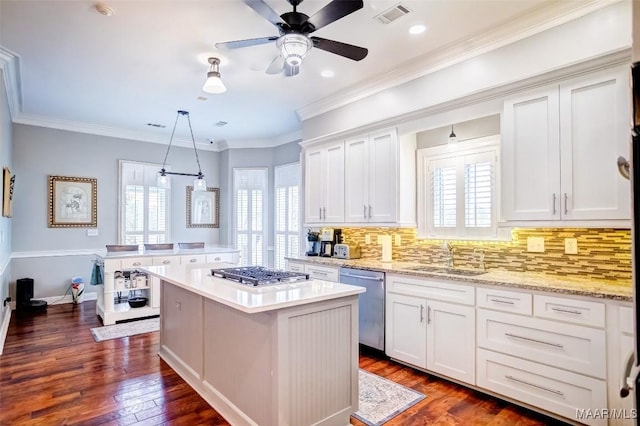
x=371, y=304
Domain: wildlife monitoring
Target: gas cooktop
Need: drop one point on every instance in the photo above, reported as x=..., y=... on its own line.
x=258, y=275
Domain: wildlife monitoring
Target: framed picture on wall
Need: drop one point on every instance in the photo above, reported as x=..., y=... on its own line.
x=72, y=202
x=203, y=208
x=7, y=192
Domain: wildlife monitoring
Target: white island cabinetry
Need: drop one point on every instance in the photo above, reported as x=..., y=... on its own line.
x=278, y=355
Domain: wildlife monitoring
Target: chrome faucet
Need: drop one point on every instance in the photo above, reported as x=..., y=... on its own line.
x=480, y=253
x=446, y=245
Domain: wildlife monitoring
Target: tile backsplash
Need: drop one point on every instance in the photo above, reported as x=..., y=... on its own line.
x=602, y=253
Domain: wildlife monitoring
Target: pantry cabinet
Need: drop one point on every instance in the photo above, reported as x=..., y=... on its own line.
x=324, y=184
x=380, y=179
x=560, y=145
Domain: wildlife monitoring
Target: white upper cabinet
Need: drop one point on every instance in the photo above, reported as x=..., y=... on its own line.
x=560, y=145
x=380, y=179
x=324, y=184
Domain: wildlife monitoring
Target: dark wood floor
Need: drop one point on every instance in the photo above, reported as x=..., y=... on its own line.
x=53, y=373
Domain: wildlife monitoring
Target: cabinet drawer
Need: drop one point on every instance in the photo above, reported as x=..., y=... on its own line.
x=295, y=266
x=166, y=260
x=505, y=300
x=569, y=310
x=194, y=258
x=575, y=348
x=135, y=262
x=220, y=257
x=431, y=289
x=326, y=273
x=625, y=319
x=549, y=388
x=111, y=265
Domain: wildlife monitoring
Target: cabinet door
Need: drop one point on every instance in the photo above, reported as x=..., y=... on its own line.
x=451, y=340
x=594, y=131
x=405, y=329
x=314, y=185
x=357, y=180
x=334, y=184
x=383, y=190
x=531, y=156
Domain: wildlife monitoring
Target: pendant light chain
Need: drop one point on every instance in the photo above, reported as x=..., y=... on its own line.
x=175, y=124
x=194, y=145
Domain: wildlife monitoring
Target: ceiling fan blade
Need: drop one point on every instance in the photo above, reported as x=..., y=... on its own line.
x=333, y=11
x=276, y=66
x=343, y=49
x=245, y=43
x=291, y=70
x=265, y=11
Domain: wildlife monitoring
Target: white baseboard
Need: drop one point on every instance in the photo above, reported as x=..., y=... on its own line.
x=59, y=300
x=4, y=327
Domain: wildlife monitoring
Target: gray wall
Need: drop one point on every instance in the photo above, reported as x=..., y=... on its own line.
x=478, y=128
x=6, y=144
x=39, y=152
x=253, y=157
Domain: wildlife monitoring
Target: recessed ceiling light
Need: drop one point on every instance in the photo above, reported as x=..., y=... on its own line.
x=221, y=123
x=327, y=73
x=201, y=98
x=417, y=29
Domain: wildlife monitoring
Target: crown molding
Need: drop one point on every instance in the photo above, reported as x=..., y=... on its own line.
x=295, y=136
x=537, y=21
x=10, y=66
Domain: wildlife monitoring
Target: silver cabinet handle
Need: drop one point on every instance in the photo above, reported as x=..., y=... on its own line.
x=324, y=213
x=324, y=274
x=567, y=311
x=320, y=213
x=506, y=302
x=136, y=264
x=365, y=211
x=166, y=262
x=193, y=260
x=557, y=392
x=362, y=277
x=421, y=313
x=554, y=203
x=565, y=204
x=369, y=211
x=515, y=336
x=428, y=314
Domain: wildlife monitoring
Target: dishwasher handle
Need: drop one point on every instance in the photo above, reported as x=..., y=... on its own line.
x=362, y=277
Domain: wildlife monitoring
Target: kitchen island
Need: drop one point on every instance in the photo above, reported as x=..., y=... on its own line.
x=284, y=354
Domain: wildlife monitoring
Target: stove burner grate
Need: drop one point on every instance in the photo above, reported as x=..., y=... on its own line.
x=258, y=275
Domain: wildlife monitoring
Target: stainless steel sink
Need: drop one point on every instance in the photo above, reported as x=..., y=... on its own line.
x=450, y=271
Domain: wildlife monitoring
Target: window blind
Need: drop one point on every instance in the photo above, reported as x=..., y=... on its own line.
x=287, y=213
x=250, y=187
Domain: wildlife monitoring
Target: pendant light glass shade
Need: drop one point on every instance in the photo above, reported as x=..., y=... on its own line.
x=163, y=180
x=214, y=83
x=199, y=184
x=452, y=136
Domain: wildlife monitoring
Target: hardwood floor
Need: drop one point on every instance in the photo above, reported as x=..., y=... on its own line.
x=52, y=372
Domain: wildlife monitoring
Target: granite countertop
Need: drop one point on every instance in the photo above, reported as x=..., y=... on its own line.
x=251, y=299
x=603, y=289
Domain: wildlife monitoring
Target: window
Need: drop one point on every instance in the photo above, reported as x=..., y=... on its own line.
x=250, y=198
x=457, y=190
x=287, y=204
x=144, y=212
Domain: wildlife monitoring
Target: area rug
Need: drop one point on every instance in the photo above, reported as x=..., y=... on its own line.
x=125, y=329
x=382, y=399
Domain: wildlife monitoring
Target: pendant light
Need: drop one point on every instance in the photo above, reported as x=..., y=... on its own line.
x=199, y=184
x=214, y=83
x=452, y=136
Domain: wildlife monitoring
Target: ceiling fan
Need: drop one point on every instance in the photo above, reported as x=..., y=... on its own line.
x=294, y=42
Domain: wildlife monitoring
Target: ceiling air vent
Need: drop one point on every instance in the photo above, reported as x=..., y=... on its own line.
x=392, y=14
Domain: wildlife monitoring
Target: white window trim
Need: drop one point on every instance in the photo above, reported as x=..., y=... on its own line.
x=468, y=147
x=265, y=204
x=121, y=231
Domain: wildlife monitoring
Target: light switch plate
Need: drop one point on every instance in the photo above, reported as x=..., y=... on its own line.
x=571, y=246
x=535, y=244
x=367, y=239
x=398, y=240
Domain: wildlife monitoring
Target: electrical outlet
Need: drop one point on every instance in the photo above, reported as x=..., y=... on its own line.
x=367, y=239
x=398, y=240
x=535, y=244
x=571, y=246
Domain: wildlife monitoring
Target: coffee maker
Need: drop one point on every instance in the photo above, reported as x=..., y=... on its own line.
x=328, y=239
x=313, y=243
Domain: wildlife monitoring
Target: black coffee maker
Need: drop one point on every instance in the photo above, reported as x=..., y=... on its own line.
x=328, y=240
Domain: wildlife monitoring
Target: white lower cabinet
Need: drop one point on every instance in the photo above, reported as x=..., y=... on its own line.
x=435, y=335
x=552, y=389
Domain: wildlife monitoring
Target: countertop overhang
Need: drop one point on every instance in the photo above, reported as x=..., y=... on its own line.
x=209, y=249
x=246, y=298
x=613, y=290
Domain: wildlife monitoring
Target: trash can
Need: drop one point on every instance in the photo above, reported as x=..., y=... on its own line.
x=77, y=290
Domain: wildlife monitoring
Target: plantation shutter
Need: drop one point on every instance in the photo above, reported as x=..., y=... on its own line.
x=250, y=187
x=287, y=205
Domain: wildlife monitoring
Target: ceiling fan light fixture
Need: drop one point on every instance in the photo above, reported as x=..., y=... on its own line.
x=294, y=47
x=214, y=83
